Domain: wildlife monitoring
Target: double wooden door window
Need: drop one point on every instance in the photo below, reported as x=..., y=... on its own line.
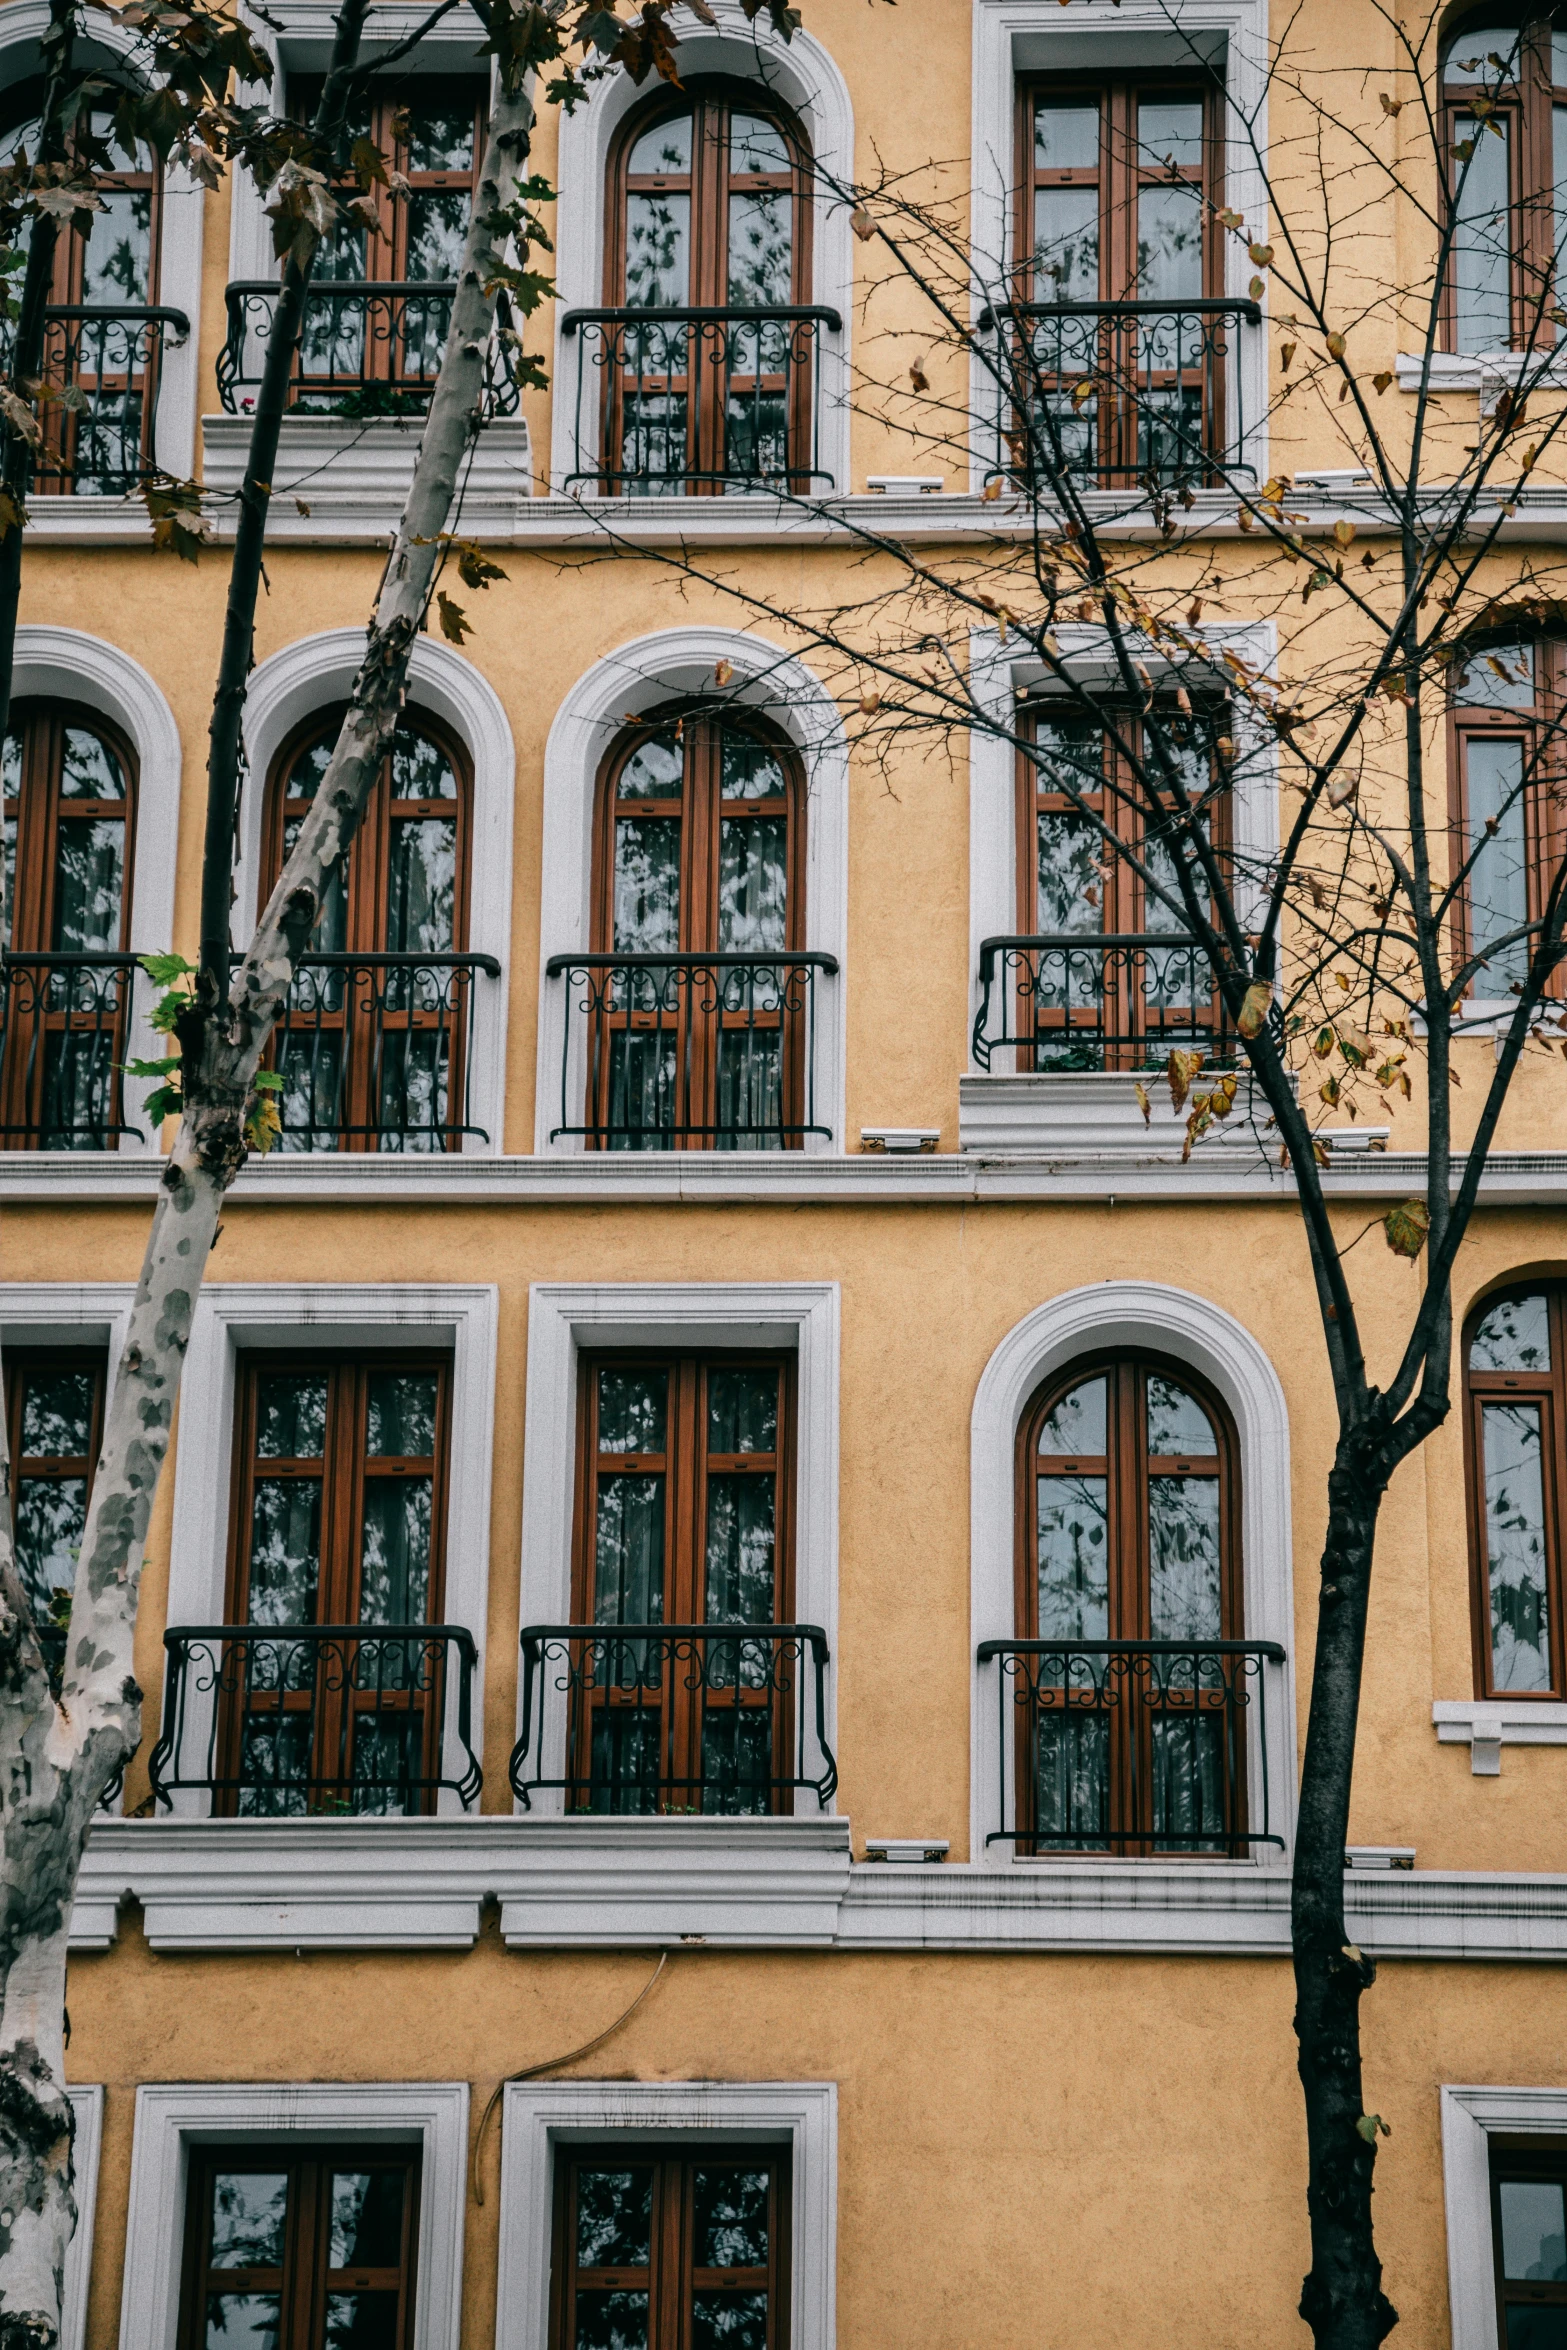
x=1128, y=1533
x=300, y=2251
x=1504, y=138
x=1509, y=765
x=373, y=1046
x=69, y=797
x=656, y=2250
x=700, y=856
x=340, y=1506
x=684, y=1519
x=54, y=1425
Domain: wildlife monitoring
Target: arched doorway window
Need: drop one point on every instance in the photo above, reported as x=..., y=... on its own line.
x=701, y=995
x=1515, y=1380
x=1509, y=760
x=707, y=349
x=374, y=1045
x=1504, y=119
x=69, y=786
x=1131, y=1712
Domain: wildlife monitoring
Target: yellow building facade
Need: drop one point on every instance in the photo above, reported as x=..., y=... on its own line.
x=769, y=1281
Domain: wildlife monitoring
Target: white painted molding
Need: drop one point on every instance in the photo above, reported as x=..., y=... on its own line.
x=1469, y=2116
x=1486, y=1724
x=564, y=1317
x=804, y=76
x=87, y=2110
x=1193, y=1330
x=81, y=669
x=341, y=481
x=536, y=2117
x=638, y=676
x=67, y=1313
x=235, y=1316
x=1095, y=1113
x=169, y=2119
x=1032, y=36
x=318, y=670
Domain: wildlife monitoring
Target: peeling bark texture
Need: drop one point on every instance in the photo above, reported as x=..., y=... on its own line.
x=56, y=1760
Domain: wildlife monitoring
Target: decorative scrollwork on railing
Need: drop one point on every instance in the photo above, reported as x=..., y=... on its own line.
x=376, y=1052
x=1108, y=1001
x=102, y=364
x=62, y=1042
x=369, y=347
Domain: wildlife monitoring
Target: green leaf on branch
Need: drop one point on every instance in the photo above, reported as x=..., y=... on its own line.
x=1408, y=1228
x=1368, y=2126
x=164, y=970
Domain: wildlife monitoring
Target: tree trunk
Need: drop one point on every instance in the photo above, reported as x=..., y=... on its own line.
x=1341, y=2299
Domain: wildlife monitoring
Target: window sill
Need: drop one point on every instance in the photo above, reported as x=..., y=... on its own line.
x=1484, y=372
x=341, y=480
x=1486, y=1724
x=1093, y=1111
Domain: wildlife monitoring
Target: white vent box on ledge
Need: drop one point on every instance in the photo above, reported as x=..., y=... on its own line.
x=910, y=1850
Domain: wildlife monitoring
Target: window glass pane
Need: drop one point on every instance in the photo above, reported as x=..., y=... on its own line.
x=1559, y=175
x=740, y=1550
x=1169, y=132
x=1514, y=1336
x=89, y=770
x=1482, y=238
x=753, y=884
x=665, y=150
x=400, y=1415
x=1498, y=878
x=362, y=2321
x=1534, y=2231
x=658, y=250
x=1077, y=1425
x=1177, y=1423
x=89, y=866
x=290, y=1418
x=311, y=765
x=742, y=1411
x=611, y=2321
x=51, y=1514
x=1515, y=1546
x=117, y=267
x=1070, y=877
x=56, y=1414
x=1500, y=678
x=330, y=934
x=628, y=1569
x=1070, y=756
x=421, y=904
x=1066, y=138
x=285, y=1550
x=631, y=1411
x=242, y=2321
x=1537, y=2329
x=1066, y=244
x=440, y=134
x=1558, y=59
x=1073, y=1561
x=731, y=2218
x=420, y=768
x=1169, y=245
x=367, y=2219
x=761, y=250
x=647, y=885
x=614, y=2218
x=394, y=1552
x=1183, y=1545
x=752, y=771
x=1488, y=54
x=729, y=2321
x=756, y=145
x=437, y=225
x=654, y=771
x=248, y=2211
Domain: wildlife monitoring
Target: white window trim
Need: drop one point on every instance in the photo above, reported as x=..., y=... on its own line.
x=537, y=2119
x=87, y=2106
x=171, y=2119
x=1469, y=2117
x=1012, y=37
x=565, y=1317
x=67, y=1313
x=638, y=676
x=73, y=667
x=1195, y=1331
x=317, y=670
x=803, y=75
x=232, y=1317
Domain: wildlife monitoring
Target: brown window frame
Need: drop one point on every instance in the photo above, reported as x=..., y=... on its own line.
x=671, y=2278
x=1125, y=1468
x=1544, y=720
x=1524, y=2158
x=709, y=99
x=1549, y=1389
x=304, y=2279
x=1525, y=103
x=698, y=1008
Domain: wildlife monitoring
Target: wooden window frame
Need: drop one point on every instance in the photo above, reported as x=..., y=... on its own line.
x=1545, y=718
x=1549, y=1389
x=1126, y=1470
x=709, y=99
x=304, y=2280
x=671, y=2279
x=1525, y=103
x=1521, y=2158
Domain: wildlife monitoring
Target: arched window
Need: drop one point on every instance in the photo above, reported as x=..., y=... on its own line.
x=697, y=1030
x=1515, y=1350
x=1508, y=765
x=706, y=371
x=69, y=789
x=374, y=1044
x=1131, y=1713
x=1504, y=112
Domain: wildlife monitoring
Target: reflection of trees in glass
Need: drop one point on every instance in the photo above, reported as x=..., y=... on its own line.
x=1515, y=1546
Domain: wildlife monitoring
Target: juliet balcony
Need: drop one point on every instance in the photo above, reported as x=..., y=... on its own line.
x=63, y=1025
x=103, y=367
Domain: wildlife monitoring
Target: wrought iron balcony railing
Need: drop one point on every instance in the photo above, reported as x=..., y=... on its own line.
x=1132, y=1746
x=370, y=347
x=655, y=1718
x=1120, y=393
x=705, y=400
x=277, y=1720
x=1115, y=1000
x=62, y=1041
x=376, y=1052
x=102, y=363
x=698, y=1051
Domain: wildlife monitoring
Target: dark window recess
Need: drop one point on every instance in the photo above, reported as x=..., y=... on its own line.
x=655, y=2251
x=54, y=1425
x=295, y=2252
x=1529, y=2236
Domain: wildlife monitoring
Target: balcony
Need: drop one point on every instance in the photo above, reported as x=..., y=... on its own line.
x=1132, y=1747
x=1119, y=394
x=1112, y=1000
x=689, y=1051
x=376, y=1052
x=62, y=1040
x=281, y=1721
x=102, y=363
x=370, y=348
x=698, y=401
x=644, y=1719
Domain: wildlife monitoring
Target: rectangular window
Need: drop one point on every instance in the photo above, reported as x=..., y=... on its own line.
x=1506, y=802
x=288, y=2251
x=662, y=2251
x=54, y=1425
x=1529, y=2237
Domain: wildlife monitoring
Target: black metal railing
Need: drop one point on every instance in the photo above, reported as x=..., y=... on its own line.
x=655, y=1718
x=63, y=1025
x=1114, y=1000
x=1132, y=1745
x=1117, y=393
x=376, y=1052
x=101, y=368
x=276, y=1720
x=704, y=399
x=690, y=1051
x=370, y=347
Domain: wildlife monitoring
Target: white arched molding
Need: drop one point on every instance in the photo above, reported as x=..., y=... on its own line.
x=638, y=676
x=804, y=77
x=22, y=24
x=1191, y=1330
x=318, y=671
x=84, y=672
